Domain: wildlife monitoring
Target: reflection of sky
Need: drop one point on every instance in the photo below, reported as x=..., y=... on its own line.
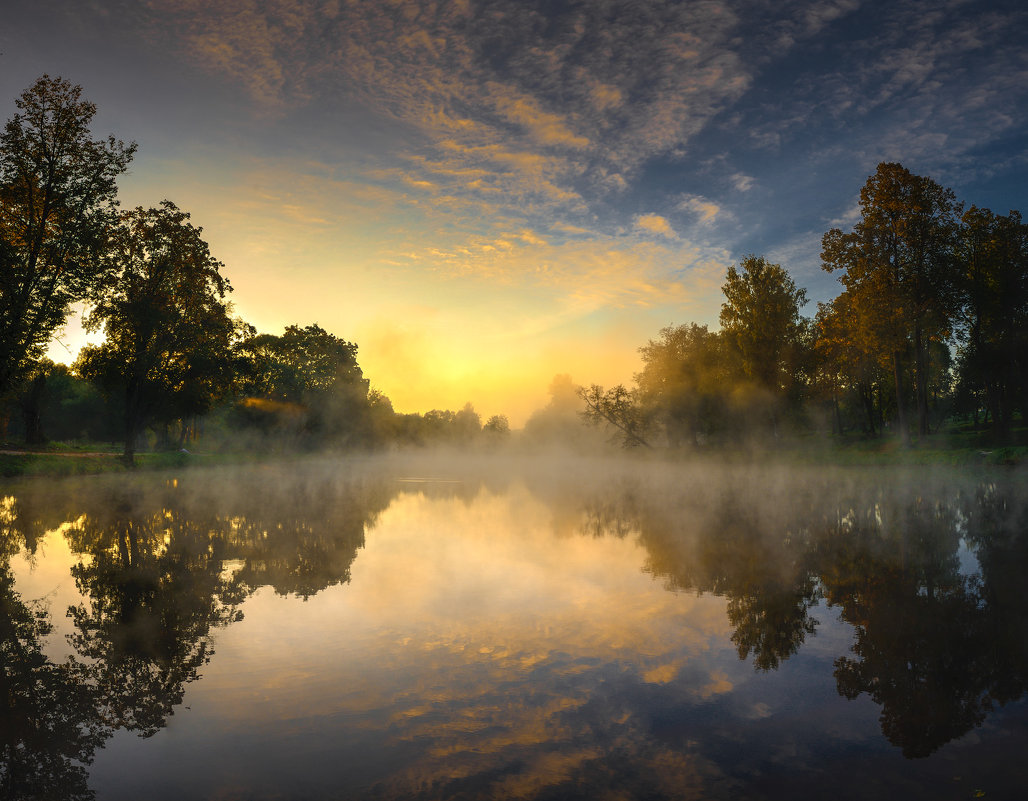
x=487, y=645
x=469, y=638
x=562, y=179
x=484, y=645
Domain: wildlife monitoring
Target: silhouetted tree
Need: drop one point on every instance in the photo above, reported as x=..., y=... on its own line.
x=498, y=425
x=559, y=420
x=310, y=369
x=57, y=208
x=993, y=361
x=168, y=329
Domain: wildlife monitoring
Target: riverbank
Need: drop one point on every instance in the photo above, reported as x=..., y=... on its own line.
x=66, y=460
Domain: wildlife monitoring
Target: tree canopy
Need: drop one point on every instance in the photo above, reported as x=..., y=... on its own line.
x=167, y=324
x=57, y=213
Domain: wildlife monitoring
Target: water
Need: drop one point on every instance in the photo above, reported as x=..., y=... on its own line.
x=425, y=629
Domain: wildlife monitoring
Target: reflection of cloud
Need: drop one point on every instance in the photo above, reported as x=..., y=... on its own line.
x=491, y=651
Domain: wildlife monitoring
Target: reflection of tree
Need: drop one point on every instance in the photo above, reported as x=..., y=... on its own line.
x=302, y=538
x=921, y=636
x=155, y=584
x=729, y=547
x=997, y=525
x=155, y=588
x=936, y=649
x=49, y=726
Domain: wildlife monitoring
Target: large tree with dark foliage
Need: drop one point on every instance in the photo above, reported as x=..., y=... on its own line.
x=57, y=210
x=167, y=324
x=994, y=358
x=899, y=266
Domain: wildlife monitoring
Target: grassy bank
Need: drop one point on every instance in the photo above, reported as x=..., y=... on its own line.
x=58, y=460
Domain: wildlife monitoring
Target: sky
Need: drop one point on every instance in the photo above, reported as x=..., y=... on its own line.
x=484, y=194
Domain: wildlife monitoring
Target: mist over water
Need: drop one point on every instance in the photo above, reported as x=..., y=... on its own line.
x=423, y=626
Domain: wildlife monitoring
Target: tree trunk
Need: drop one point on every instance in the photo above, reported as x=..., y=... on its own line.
x=32, y=411
x=131, y=424
x=868, y=402
x=901, y=416
x=921, y=381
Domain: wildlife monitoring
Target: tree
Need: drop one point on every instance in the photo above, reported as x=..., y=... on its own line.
x=315, y=371
x=559, y=420
x=167, y=324
x=57, y=209
x=684, y=382
x=298, y=365
x=761, y=319
x=898, y=264
x=994, y=257
x=847, y=360
x=619, y=408
x=497, y=426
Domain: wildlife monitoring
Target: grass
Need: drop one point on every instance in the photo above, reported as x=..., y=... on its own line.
x=62, y=459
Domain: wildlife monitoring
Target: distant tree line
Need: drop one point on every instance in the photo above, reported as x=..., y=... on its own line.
x=932, y=321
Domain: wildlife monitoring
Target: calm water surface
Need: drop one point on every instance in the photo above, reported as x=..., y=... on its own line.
x=374, y=629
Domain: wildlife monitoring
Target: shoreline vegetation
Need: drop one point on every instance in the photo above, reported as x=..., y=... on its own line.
x=922, y=358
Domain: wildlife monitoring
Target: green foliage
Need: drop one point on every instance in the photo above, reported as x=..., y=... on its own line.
x=760, y=321
x=297, y=366
x=307, y=382
x=685, y=383
x=993, y=366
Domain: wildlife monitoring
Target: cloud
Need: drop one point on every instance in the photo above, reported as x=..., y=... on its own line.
x=706, y=210
x=549, y=88
x=598, y=271
x=543, y=127
x=655, y=224
x=847, y=218
x=742, y=182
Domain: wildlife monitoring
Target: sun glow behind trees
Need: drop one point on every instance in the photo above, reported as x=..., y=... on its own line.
x=918, y=279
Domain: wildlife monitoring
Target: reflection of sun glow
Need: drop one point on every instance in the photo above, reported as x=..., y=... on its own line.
x=472, y=632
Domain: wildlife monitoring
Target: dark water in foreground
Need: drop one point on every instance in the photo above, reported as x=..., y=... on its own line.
x=552, y=631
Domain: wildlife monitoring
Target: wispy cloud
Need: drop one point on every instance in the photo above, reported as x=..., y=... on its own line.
x=525, y=106
x=705, y=210
x=742, y=182
x=593, y=273
x=655, y=224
